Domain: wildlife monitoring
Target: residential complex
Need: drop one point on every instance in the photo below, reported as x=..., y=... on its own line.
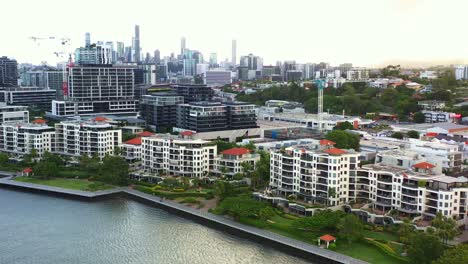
x=177, y=156
x=229, y=163
x=95, y=137
x=159, y=110
x=22, y=138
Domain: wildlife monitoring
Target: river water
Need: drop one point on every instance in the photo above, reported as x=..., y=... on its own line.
x=39, y=229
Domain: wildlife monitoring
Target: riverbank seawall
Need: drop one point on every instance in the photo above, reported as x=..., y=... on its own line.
x=288, y=245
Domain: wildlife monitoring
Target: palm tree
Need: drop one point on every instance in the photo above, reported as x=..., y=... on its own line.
x=331, y=194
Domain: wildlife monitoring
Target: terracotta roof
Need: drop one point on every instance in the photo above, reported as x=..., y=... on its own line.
x=27, y=170
x=431, y=134
x=39, y=121
x=100, y=119
x=134, y=141
x=335, y=151
x=326, y=142
x=424, y=165
x=186, y=133
x=236, y=151
x=328, y=238
x=145, y=134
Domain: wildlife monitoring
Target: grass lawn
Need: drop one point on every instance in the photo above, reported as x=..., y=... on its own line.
x=381, y=235
x=75, y=184
x=366, y=252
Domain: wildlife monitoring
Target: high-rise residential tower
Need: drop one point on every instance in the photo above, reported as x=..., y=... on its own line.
x=234, y=53
x=182, y=45
x=136, y=41
x=8, y=72
x=87, y=39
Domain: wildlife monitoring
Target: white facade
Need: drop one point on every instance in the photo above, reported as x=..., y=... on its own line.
x=217, y=77
x=13, y=114
x=75, y=138
x=311, y=172
x=461, y=72
x=179, y=157
x=21, y=138
x=230, y=161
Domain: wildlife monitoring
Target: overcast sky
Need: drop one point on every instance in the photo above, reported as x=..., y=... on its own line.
x=364, y=32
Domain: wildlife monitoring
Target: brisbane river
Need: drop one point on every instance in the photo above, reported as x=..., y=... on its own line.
x=40, y=229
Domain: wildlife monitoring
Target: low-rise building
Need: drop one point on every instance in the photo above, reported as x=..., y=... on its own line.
x=171, y=155
x=13, y=114
x=131, y=149
x=230, y=161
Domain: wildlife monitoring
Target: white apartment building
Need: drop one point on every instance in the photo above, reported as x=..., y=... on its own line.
x=230, y=161
x=93, y=137
x=313, y=171
x=448, y=156
x=461, y=72
x=131, y=149
x=415, y=191
x=22, y=138
x=13, y=114
x=177, y=156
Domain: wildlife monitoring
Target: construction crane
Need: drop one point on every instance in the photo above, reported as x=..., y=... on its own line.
x=64, y=41
x=320, y=85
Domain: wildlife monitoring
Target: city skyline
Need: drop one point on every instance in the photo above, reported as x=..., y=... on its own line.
x=379, y=32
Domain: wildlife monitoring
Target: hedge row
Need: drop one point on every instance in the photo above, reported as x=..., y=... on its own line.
x=172, y=195
x=386, y=249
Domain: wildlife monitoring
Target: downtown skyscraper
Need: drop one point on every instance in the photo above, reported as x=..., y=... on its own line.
x=234, y=53
x=136, y=45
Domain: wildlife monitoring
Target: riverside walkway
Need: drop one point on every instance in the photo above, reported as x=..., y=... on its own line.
x=316, y=254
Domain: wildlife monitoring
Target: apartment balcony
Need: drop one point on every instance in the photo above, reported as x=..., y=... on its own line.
x=384, y=187
x=306, y=185
x=321, y=188
x=431, y=203
x=384, y=179
x=322, y=167
x=286, y=180
x=409, y=200
x=287, y=174
x=306, y=179
x=322, y=181
x=383, y=202
x=384, y=195
x=430, y=212
x=409, y=192
x=432, y=196
x=286, y=187
x=410, y=186
x=305, y=192
x=408, y=209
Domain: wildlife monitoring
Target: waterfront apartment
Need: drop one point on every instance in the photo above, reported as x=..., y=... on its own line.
x=93, y=137
x=22, y=138
x=402, y=181
x=173, y=155
x=313, y=172
x=230, y=161
x=131, y=149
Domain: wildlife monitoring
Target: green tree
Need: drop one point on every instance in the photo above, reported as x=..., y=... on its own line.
x=397, y=135
x=419, y=118
x=344, y=139
x=446, y=228
x=344, y=126
x=262, y=167
x=4, y=158
x=320, y=221
x=413, y=134
x=224, y=189
x=266, y=213
x=53, y=158
x=331, y=194
x=238, y=207
x=456, y=255
x=405, y=231
x=424, y=248
x=114, y=170
x=45, y=170
x=350, y=228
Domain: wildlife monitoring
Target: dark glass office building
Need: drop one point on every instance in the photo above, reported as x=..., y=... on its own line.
x=193, y=92
x=160, y=110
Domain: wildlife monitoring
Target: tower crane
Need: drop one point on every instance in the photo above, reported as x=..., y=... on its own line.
x=320, y=85
x=64, y=41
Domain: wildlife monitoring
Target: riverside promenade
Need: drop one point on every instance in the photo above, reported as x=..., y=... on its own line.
x=292, y=246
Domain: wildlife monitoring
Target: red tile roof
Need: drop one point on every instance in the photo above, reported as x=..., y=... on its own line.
x=39, y=121
x=335, y=151
x=27, y=170
x=236, y=151
x=134, y=141
x=424, y=165
x=145, y=134
x=326, y=142
x=100, y=119
x=186, y=133
x=327, y=238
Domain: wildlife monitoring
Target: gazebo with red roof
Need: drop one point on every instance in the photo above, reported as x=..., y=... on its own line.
x=236, y=151
x=327, y=238
x=26, y=171
x=423, y=167
x=39, y=121
x=100, y=119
